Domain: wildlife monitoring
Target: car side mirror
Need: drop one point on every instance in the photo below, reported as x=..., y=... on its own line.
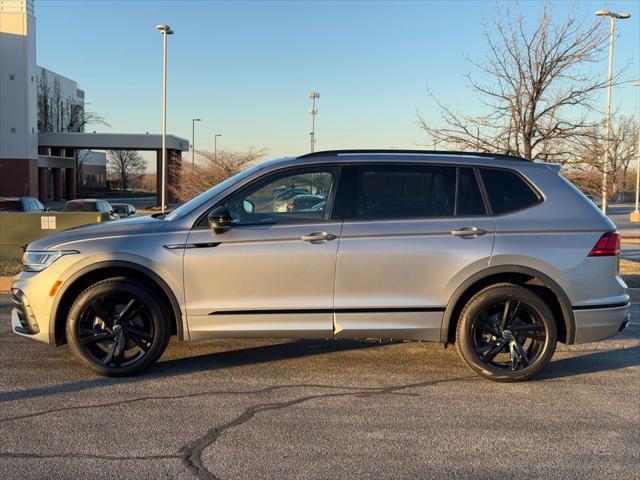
x=132, y=212
x=220, y=219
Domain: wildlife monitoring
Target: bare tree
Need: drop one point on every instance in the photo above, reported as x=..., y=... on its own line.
x=536, y=87
x=126, y=166
x=623, y=147
x=59, y=114
x=44, y=95
x=210, y=170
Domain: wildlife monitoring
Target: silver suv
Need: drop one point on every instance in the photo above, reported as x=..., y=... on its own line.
x=499, y=255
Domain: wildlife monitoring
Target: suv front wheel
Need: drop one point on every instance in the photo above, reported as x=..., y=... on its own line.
x=506, y=333
x=117, y=327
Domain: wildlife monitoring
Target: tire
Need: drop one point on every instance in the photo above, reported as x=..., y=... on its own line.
x=118, y=327
x=509, y=347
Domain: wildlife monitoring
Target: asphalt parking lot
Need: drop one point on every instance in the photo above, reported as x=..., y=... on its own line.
x=318, y=410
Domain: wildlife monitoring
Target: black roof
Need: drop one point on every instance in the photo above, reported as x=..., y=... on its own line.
x=335, y=153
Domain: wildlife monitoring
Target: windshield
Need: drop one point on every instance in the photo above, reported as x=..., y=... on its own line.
x=207, y=195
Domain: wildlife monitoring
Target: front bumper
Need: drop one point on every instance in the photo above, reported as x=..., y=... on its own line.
x=23, y=320
x=594, y=324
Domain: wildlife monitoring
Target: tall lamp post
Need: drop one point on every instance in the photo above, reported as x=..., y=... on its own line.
x=215, y=145
x=607, y=118
x=314, y=96
x=164, y=30
x=635, y=215
x=193, y=139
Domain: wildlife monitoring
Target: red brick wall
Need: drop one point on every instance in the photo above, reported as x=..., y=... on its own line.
x=18, y=177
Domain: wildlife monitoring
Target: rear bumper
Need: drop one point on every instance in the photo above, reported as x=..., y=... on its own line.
x=594, y=324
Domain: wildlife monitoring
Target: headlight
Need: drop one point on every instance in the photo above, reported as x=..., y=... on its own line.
x=38, y=261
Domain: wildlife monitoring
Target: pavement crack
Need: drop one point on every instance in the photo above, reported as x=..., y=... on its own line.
x=177, y=397
x=32, y=455
x=191, y=453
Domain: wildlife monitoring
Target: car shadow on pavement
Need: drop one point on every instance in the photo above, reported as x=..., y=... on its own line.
x=600, y=361
x=206, y=362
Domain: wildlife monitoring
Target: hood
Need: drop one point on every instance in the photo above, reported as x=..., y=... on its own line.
x=126, y=226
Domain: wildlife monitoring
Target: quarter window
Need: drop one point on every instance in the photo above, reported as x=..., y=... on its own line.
x=507, y=191
x=292, y=196
x=405, y=191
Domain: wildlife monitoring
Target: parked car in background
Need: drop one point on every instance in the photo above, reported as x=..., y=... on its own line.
x=91, y=205
x=303, y=202
x=21, y=204
x=500, y=255
x=281, y=199
x=124, y=210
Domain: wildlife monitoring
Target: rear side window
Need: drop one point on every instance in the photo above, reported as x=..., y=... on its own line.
x=405, y=191
x=507, y=191
x=80, y=207
x=469, y=197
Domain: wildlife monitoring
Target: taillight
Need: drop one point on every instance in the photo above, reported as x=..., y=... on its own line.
x=607, y=246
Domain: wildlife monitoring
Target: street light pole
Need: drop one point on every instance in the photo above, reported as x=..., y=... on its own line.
x=607, y=118
x=193, y=139
x=635, y=215
x=215, y=145
x=164, y=30
x=314, y=96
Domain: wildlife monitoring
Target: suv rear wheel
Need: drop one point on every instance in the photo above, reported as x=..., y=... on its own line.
x=118, y=327
x=506, y=333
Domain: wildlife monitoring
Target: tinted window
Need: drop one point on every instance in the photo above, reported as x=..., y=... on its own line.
x=469, y=196
x=507, y=191
x=80, y=207
x=10, y=206
x=292, y=196
x=405, y=191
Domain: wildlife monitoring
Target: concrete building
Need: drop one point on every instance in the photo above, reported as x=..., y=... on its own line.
x=42, y=120
x=18, y=99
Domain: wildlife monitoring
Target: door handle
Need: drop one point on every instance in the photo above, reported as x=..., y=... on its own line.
x=318, y=237
x=468, y=232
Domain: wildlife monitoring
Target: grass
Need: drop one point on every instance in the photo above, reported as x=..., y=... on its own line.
x=630, y=272
x=10, y=267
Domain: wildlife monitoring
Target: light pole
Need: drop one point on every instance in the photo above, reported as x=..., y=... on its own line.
x=193, y=139
x=164, y=30
x=635, y=215
x=314, y=96
x=215, y=145
x=607, y=118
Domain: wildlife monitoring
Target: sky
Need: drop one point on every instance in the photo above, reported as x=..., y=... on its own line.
x=246, y=67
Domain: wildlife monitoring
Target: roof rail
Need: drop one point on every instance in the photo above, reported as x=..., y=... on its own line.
x=335, y=153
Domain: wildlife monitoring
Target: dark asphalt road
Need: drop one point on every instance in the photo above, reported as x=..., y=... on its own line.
x=316, y=410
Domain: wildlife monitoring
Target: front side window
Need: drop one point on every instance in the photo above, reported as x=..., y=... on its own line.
x=507, y=191
x=302, y=195
x=405, y=191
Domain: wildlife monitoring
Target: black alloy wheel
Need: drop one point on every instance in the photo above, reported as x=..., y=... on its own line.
x=506, y=333
x=117, y=327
